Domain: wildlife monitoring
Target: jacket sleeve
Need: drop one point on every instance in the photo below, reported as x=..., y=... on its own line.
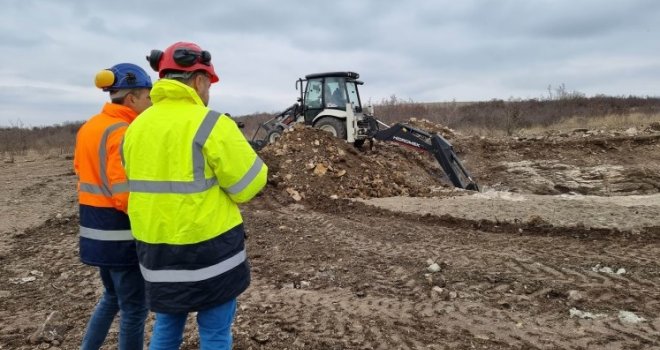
x=76, y=166
x=238, y=168
x=115, y=170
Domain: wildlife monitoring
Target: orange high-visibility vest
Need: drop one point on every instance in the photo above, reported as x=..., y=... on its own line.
x=102, y=181
x=105, y=232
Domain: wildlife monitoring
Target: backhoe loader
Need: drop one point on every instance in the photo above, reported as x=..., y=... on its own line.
x=331, y=102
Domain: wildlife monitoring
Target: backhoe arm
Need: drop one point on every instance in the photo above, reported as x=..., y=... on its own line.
x=440, y=148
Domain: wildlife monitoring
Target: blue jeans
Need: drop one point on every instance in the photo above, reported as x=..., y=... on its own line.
x=124, y=293
x=214, y=328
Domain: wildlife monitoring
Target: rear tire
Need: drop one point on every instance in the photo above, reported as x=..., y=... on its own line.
x=273, y=136
x=337, y=127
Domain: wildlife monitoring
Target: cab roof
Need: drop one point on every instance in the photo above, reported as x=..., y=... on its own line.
x=350, y=75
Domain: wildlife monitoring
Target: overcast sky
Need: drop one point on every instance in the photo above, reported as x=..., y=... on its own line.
x=425, y=51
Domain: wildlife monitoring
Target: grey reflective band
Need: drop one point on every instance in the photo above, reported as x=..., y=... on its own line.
x=103, y=168
x=199, y=140
x=106, y=235
x=199, y=183
x=205, y=273
x=90, y=188
x=121, y=187
x=105, y=188
x=147, y=186
x=247, y=178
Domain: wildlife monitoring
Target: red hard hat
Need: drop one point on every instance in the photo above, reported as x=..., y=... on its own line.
x=182, y=57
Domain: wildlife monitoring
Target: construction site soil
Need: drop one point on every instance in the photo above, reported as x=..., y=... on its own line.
x=372, y=249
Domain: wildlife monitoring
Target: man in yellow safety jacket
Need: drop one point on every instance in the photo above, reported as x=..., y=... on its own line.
x=188, y=168
x=105, y=231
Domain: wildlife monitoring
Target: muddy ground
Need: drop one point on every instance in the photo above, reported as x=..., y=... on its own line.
x=372, y=249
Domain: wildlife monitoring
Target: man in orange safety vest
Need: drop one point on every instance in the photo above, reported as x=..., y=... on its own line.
x=106, y=240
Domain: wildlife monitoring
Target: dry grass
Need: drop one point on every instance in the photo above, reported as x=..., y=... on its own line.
x=498, y=117
x=609, y=122
x=48, y=140
x=635, y=120
x=490, y=118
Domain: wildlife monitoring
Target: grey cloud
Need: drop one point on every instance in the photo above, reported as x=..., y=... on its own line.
x=422, y=50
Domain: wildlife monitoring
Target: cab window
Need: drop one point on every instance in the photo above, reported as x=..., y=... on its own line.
x=313, y=94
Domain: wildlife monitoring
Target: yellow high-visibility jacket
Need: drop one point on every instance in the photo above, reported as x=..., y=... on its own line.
x=187, y=168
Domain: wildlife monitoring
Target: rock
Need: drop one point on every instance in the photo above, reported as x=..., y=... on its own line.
x=334, y=196
x=58, y=216
x=573, y=312
x=631, y=131
x=437, y=290
x=629, y=317
x=442, y=293
x=575, y=295
x=320, y=169
x=294, y=194
x=305, y=284
x=261, y=338
x=290, y=285
x=603, y=269
x=433, y=268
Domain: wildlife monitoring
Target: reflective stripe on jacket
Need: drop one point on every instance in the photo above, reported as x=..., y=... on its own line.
x=188, y=168
x=105, y=231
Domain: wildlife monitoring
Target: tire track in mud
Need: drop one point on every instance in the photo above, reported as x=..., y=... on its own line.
x=497, y=277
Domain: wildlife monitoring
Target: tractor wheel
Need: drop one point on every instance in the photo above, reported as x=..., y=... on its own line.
x=273, y=136
x=337, y=127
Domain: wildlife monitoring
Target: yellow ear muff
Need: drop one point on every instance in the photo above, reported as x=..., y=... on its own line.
x=104, y=79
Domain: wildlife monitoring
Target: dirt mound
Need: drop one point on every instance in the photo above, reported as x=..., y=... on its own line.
x=432, y=128
x=307, y=163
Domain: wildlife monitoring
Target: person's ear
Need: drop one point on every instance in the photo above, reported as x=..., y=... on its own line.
x=129, y=100
x=198, y=83
x=200, y=80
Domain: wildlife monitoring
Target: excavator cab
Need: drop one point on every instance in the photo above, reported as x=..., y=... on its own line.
x=330, y=91
x=328, y=101
x=331, y=102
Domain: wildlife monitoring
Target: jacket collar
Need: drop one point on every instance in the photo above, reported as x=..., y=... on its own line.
x=119, y=111
x=172, y=90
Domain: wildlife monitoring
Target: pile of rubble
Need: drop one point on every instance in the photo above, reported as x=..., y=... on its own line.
x=307, y=163
x=433, y=128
